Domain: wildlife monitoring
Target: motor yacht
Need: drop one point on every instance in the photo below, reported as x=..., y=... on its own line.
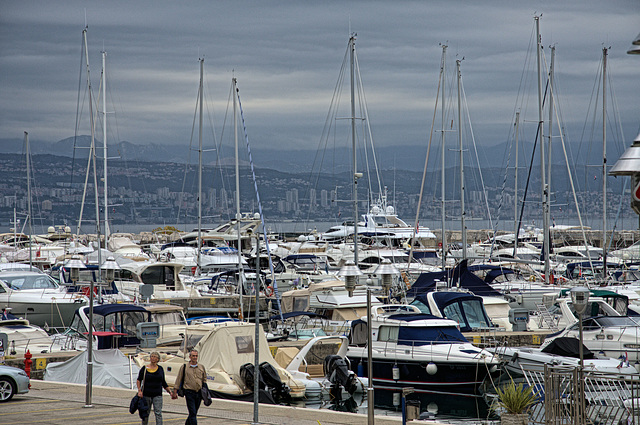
x=413, y=349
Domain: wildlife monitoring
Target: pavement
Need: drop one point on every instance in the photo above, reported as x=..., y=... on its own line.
x=54, y=403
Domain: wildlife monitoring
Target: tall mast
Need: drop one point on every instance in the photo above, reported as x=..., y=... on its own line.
x=549, y=140
x=200, y=91
x=545, y=222
x=463, y=226
x=354, y=165
x=515, y=191
x=443, y=170
x=104, y=142
x=28, y=152
x=604, y=162
x=238, y=214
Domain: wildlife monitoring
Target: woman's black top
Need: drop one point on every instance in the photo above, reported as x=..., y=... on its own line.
x=154, y=382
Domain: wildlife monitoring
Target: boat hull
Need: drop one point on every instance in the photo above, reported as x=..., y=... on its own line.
x=424, y=376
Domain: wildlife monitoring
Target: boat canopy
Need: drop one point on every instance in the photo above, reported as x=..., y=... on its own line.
x=459, y=275
x=491, y=272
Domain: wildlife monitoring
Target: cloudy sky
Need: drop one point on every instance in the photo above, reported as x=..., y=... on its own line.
x=287, y=55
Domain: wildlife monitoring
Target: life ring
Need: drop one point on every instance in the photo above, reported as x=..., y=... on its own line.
x=268, y=291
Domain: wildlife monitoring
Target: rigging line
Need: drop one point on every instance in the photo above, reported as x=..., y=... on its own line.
x=365, y=111
x=264, y=228
x=329, y=125
x=78, y=110
x=186, y=165
x=424, y=170
x=475, y=148
x=223, y=182
x=566, y=158
x=502, y=191
x=526, y=188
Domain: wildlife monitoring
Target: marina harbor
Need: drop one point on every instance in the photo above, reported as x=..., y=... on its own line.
x=337, y=287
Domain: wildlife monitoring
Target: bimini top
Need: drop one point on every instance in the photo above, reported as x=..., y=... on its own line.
x=106, y=309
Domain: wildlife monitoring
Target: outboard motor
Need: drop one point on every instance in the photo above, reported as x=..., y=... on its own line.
x=280, y=391
x=247, y=375
x=337, y=371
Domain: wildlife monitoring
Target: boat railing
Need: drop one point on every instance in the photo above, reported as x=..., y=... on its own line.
x=570, y=397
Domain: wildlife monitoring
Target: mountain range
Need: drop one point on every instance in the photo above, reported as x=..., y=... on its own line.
x=410, y=158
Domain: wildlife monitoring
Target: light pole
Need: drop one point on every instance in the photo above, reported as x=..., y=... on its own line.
x=351, y=272
x=580, y=300
x=74, y=265
x=108, y=270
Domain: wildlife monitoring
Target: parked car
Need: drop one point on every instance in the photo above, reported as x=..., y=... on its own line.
x=12, y=381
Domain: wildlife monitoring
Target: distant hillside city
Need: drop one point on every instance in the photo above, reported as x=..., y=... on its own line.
x=166, y=192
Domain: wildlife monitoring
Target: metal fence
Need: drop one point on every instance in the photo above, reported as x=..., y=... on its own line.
x=571, y=397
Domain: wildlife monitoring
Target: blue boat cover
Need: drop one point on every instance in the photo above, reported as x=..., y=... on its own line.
x=106, y=309
x=460, y=274
x=493, y=271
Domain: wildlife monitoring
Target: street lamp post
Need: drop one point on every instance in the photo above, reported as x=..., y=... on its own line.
x=580, y=300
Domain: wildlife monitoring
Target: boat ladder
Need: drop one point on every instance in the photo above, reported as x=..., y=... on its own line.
x=546, y=317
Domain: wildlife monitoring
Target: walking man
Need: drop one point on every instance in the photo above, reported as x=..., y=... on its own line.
x=190, y=379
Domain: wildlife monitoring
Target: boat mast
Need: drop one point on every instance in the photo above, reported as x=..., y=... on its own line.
x=104, y=142
x=200, y=91
x=545, y=221
x=356, y=175
x=28, y=151
x=238, y=215
x=463, y=227
x=549, y=141
x=443, y=170
x=604, y=162
x=515, y=192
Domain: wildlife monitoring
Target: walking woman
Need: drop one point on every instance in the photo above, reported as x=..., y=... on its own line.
x=150, y=384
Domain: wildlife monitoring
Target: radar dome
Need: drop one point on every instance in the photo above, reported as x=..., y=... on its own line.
x=390, y=210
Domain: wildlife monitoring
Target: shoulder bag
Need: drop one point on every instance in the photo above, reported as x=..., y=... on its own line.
x=180, y=390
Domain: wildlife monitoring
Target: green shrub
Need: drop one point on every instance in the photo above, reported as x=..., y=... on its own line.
x=516, y=399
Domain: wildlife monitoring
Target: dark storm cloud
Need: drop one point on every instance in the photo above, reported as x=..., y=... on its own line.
x=286, y=56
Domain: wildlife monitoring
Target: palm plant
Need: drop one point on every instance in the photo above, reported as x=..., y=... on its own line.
x=516, y=398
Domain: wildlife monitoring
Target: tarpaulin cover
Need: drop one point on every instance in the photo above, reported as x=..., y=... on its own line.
x=111, y=368
x=568, y=347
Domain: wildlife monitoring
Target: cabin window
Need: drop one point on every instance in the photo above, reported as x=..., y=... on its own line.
x=474, y=313
x=159, y=276
x=453, y=312
x=30, y=282
x=77, y=325
x=422, y=306
x=300, y=304
x=129, y=321
x=388, y=333
x=244, y=344
x=168, y=318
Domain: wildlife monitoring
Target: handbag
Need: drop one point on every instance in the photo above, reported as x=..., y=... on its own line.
x=205, y=394
x=180, y=390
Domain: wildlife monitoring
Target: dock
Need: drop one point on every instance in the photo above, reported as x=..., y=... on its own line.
x=64, y=404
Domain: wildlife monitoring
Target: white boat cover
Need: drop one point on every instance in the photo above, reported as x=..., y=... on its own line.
x=111, y=368
x=230, y=345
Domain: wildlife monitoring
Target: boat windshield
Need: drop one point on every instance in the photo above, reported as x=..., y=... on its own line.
x=621, y=321
x=36, y=281
x=409, y=335
x=468, y=313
